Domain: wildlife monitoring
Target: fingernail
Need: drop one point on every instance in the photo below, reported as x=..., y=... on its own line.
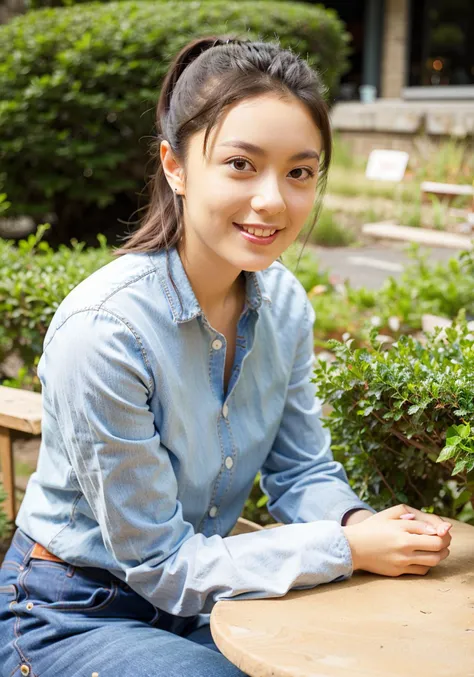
x=430, y=530
x=407, y=516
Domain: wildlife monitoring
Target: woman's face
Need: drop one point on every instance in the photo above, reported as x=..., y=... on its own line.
x=249, y=198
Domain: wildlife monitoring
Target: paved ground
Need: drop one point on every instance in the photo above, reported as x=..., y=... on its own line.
x=370, y=266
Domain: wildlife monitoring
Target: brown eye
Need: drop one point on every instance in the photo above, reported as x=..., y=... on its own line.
x=239, y=163
x=309, y=174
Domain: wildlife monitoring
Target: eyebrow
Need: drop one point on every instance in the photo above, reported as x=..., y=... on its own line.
x=251, y=148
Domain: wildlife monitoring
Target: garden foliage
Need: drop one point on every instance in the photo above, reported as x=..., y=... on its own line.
x=402, y=419
x=5, y=527
x=36, y=279
x=79, y=87
x=397, y=308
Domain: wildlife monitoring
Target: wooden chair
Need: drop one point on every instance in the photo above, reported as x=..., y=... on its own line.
x=19, y=410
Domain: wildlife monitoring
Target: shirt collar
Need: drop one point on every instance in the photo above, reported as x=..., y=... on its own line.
x=183, y=303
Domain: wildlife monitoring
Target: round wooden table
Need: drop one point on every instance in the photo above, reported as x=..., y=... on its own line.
x=366, y=626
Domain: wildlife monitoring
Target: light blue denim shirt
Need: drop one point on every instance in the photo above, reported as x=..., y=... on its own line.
x=146, y=463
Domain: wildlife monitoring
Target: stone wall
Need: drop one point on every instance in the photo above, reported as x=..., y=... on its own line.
x=402, y=125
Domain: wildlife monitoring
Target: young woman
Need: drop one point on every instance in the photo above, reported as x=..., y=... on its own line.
x=170, y=378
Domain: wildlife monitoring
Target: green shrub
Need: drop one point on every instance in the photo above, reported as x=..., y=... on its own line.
x=35, y=281
x=329, y=232
x=5, y=526
x=440, y=288
x=305, y=265
x=448, y=162
x=402, y=419
x=79, y=86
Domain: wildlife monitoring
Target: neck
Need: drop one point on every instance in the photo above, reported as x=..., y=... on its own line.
x=216, y=284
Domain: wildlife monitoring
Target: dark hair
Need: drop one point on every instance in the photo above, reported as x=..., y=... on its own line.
x=205, y=77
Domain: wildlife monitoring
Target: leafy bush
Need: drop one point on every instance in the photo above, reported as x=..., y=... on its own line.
x=305, y=266
x=330, y=232
x=79, y=86
x=36, y=280
x=440, y=288
x=5, y=526
x=402, y=419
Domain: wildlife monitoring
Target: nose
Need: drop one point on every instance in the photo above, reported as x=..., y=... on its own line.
x=268, y=197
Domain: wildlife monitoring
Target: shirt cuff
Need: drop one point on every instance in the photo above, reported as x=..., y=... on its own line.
x=340, y=511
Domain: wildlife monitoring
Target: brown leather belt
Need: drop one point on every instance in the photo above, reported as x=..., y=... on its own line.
x=39, y=552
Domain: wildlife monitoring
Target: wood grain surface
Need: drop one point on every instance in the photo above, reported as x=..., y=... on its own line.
x=367, y=626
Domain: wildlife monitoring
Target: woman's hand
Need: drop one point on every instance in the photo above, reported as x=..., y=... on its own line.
x=405, y=512
x=387, y=545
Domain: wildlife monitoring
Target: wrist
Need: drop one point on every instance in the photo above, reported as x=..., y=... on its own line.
x=350, y=536
x=355, y=516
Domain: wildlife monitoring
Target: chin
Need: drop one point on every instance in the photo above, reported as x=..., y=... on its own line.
x=253, y=264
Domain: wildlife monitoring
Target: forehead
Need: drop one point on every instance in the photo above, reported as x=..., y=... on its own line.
x=279, y=125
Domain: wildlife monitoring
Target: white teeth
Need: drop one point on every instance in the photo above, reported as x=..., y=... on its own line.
x=259, y=232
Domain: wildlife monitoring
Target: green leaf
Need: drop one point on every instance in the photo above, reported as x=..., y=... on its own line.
x=447, y=453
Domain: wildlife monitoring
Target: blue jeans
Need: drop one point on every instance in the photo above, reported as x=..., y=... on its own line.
x=58, y=620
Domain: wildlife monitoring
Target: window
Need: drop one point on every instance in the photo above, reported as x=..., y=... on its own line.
x=441, y=43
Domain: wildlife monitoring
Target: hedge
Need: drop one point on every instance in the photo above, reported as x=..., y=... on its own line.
x=36, y=279
x=79, y=86
x=402, y=418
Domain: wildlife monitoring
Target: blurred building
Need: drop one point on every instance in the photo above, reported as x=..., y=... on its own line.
x=411, y=72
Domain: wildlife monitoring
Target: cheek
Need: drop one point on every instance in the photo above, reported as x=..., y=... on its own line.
x=225, y=199
x=301, y=205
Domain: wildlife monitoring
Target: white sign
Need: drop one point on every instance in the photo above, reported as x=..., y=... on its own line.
x=386, y=165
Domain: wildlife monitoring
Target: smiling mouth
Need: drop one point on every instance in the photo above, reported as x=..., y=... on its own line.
x=258, y=232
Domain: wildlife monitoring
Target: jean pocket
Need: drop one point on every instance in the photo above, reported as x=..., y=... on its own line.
x=64, y=588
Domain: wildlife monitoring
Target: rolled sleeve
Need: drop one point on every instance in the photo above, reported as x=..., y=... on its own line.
x=300, y=476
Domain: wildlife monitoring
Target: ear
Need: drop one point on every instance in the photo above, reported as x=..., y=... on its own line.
x=173, y=171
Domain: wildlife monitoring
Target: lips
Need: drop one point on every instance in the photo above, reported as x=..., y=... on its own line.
x=259, y=236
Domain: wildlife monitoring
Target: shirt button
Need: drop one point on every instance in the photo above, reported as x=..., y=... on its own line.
x=217, y=344
x=213, y=511
x=225, y=411
x=229, y=462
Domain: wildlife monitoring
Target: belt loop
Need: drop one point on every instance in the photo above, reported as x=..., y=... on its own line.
x=26, y=558
x=71, y=570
